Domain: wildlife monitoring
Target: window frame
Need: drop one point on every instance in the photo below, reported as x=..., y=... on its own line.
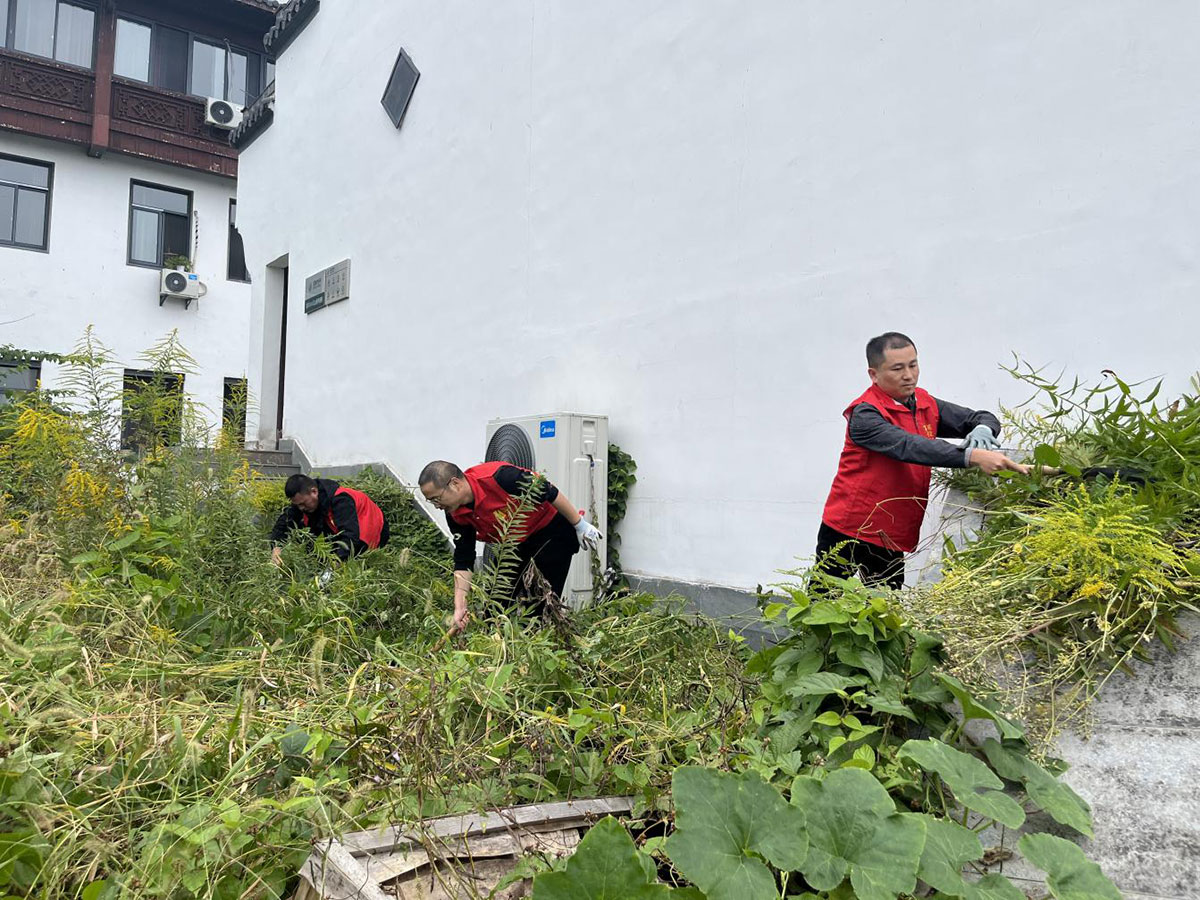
x=232, y=226
x=192, y=37
x=137, y=182
x=9, y=395
x=146, y=377
x=8, y=32
x=49, y=192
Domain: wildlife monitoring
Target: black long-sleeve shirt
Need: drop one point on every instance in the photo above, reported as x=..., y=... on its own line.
x=514, y=481
x=871, y=431
x=346, y=539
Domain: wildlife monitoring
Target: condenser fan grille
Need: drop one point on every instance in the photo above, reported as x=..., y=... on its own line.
x=221, y=112
x=176, y=282
x=510, y=444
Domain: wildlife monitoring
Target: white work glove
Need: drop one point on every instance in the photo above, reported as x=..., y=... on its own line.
x=981, y=437
x=324, y=578
x=589, y=535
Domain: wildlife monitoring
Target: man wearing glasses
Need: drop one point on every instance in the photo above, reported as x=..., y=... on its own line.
x=479, y=505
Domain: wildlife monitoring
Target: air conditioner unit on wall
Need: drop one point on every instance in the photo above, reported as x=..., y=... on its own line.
x=181, y=285
x=221, y=113
x=571, y=450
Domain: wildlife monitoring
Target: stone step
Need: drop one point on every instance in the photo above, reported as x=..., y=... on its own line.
x=275, y=471
x=268, y=457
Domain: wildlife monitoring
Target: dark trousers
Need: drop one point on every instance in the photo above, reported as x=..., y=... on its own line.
x=844, y=556
x=552, y=549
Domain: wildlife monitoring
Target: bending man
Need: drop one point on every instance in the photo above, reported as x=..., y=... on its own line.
x=877, y=502
x=478, y=501
x=324, y=507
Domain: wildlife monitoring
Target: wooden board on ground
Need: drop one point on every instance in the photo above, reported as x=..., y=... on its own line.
x=451, y=858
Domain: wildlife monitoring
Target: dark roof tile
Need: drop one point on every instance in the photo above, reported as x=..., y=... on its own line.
x=289, y=22
x=255, y=119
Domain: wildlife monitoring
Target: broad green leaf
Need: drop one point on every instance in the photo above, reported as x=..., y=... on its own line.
x=886, y=705
x=993, y=886
x=828, y=718
x=95, y=890
x=974, y=785
x=1046, y=455
x=865, y=658
x=825, y=613
x=975, y=709
x=605, y=866
x=854, y=830
x=720, y=821
x=924, y=652
x=86, y=559
x=1051, y=794
x=818, y=684
x=1069, y=874
x=948, y=847
x=126, y=540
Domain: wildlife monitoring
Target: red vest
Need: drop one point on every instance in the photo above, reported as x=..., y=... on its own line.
x=875, y=498
x=493, y=505
x=370, y=517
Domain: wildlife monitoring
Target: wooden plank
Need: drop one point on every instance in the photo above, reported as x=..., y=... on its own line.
x=334, y=873
x=535, y=817
x=383, y=866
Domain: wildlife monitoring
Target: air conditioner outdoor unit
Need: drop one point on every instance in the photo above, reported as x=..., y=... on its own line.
x=571, y=450
x=184, y=286
x=221, y=113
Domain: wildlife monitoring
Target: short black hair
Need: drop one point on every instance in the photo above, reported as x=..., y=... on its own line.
x=438, y=473
x=298, y=484
x=877, y=347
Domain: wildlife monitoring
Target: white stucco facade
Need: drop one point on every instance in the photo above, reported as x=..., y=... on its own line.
x=690, y=216
x=47, y=299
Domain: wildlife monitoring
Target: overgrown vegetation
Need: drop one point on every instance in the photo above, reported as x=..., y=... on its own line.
x=1076, y=574
x=180, y=719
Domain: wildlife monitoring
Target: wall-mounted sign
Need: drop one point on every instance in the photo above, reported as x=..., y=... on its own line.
x=314, y=292
x=328, y=286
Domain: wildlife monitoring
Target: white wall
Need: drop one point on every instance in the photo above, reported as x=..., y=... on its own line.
x=47, y=300
x=692, y=215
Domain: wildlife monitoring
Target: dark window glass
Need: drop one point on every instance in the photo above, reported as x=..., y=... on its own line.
x=24, y=203
x=133, y=50
x=29, y=226
x=17, y=378
x=151, y=410
x=14, y=171
x=270, y=72
x=75, y=35
x=400, y=88
x=237, y=249
x=3, y=22
x=170, y=59
x=236, y=90
x=158, y=224
x=8, y=212
x=208, y=70
x=35, y=27
x=233, y=410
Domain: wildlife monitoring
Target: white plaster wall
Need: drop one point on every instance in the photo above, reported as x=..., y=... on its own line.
x=691, y=216
x=47, y=300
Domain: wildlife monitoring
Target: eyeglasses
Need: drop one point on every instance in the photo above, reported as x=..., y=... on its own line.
x=436, y=499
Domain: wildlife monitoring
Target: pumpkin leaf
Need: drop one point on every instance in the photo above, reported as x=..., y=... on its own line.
x=1051, y=794
x=854, y=830
x=605, y=866
x=723, y=824
x=975, y=786
x=1069, y=874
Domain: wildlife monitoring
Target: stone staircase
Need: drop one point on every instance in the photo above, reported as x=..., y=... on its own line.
x=272, y=463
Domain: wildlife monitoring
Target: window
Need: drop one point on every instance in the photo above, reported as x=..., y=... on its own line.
x=133, y=50
x=18, y=378
x=159, y=219
x=151, y=410
x=233, y=410
x=237, y=250
x=187, y=63
x=24, y=203
x=218, y=72
x=51, y=28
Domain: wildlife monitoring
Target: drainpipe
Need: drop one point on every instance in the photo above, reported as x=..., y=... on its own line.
x=106, y=43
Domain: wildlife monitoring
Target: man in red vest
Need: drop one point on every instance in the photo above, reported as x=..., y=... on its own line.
x=875, y=507
x=325, y=507
x=479, y=504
